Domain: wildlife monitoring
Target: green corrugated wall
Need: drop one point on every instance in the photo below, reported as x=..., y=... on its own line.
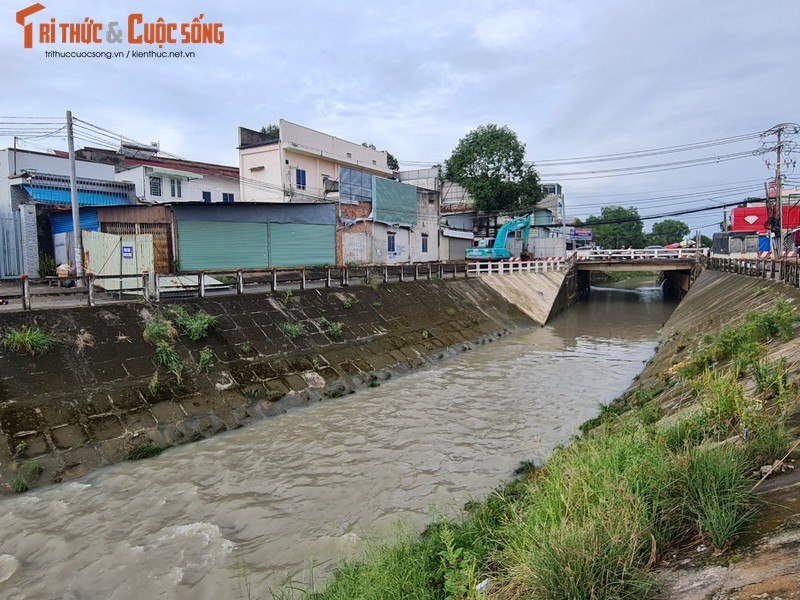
x=220, y=245
x=302, y=245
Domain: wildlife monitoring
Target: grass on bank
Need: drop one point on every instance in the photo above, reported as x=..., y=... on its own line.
x=604, y=510
x=28, y=340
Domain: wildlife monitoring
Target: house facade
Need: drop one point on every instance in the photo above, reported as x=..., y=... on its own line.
x=35, y=196
x=304, y=165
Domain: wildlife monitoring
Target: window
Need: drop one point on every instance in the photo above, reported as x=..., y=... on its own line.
x=175, y=188
x=425, y=243
x=301, y=179
x=354, y=186
x=226, y=197
x=155, y=186
x=206, y=196
x=390, y=242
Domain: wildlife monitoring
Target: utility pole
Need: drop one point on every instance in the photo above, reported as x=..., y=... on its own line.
x=76, y=215
x=782, y=148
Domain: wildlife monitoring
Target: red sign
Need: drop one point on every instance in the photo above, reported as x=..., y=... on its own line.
x=754, y=218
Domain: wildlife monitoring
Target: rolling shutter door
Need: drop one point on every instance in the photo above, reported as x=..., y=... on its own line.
x=221, y=245
x=294, y=245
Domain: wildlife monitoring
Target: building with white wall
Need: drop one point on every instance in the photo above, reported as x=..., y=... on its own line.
x=304, y=165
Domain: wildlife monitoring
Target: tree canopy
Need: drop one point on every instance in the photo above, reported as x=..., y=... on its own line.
x=489, y=162
x=617, y=227
x=272, y=131
x=669, y=231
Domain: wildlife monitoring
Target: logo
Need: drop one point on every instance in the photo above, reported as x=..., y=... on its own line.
x=28, y=28
x=750, y=219
x=135, y=29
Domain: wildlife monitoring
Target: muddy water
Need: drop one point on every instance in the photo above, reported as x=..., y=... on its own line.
x=231, y=516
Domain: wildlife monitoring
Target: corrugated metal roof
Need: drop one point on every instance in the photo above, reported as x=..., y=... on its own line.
x=51, y=195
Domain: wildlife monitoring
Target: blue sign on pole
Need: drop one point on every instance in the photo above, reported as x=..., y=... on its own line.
x=127, y=251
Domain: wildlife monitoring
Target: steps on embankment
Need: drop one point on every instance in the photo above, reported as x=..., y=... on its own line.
x=535, y=294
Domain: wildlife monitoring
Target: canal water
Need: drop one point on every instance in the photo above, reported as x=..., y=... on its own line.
x=287, y=497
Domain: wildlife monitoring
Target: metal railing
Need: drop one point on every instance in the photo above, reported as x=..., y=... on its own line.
x=89, y=290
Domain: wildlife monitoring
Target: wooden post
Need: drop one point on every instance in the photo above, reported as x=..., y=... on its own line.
x=303, y=278
x=26, y=293
x=145, y=287
x=201, y=284
x=345, y=278
x=156, y=278
x=327, y=277
x=239, y=282
x=90, y=288
x=402, y=273
x=274, y=283
x=416, y=272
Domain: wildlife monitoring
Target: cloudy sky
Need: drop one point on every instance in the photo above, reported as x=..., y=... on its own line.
x=573, y=78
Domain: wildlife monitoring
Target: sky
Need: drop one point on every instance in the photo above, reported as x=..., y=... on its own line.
x=574, y=78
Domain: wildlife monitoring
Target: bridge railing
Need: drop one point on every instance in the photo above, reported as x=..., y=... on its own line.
x=640, y=254
x=508, y=267
x=786, y=270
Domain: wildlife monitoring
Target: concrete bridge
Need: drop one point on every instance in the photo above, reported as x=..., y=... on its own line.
x=649, y=259
x=543, y=288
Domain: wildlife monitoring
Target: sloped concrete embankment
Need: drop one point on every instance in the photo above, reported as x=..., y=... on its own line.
x=541, y=296
x=767, y=566
x=98, y=394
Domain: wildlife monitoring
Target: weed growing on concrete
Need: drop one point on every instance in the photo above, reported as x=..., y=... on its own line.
x=292, y=330
x=28, y=340
x=34, y=470
x=244, y=349
x=467, y=303
x=159, y=331
x=425, y=334
x=766, y=445
x=771, y=377
x=286, y=297
x=168, y=359
x=377, y=304
x=196, y=326
x=450, y=310
x=19, y=485
x=274, y=395
x=206, y=360
x=153, y=386
x=333, y=329
x=348, y=302
x=20, y=449
x=145, y=451
x=760, y=292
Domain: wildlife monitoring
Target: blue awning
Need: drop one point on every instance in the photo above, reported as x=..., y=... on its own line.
x=50, y=195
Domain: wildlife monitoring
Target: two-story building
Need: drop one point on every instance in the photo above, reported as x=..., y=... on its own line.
x=379, y=220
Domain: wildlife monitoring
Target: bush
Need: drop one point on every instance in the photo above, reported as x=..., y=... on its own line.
x=28, y=340
x=333, y=329
x=196, y=326
x=168, y=358
x=158, y=331
x=292, y=330
x=766, y=444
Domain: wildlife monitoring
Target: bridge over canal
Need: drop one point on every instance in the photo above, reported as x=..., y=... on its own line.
x=542, y=289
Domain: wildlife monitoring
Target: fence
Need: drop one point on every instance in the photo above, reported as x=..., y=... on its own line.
x=89, y=289
x=509, y=267
x=787, y=270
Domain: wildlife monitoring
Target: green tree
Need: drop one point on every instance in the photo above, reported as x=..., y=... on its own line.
x=489, y=162
x=705, y=241
x=617, y=227
x=668, y=232
x=272, y=131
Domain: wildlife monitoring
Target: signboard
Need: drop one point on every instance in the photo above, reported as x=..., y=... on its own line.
x=127, y=251
x=579, y=235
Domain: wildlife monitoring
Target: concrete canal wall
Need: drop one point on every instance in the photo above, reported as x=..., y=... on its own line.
x=97, y=396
